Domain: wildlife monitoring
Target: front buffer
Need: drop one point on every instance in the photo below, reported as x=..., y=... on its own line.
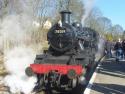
x=56, y=76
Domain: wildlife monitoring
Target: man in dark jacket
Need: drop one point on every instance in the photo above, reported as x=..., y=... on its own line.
x=123, y=47
x=119, y=51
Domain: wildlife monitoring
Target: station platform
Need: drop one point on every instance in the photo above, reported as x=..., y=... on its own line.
x=109, y=78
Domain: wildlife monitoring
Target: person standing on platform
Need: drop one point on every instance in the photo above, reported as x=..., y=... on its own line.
x=119, y=50
x=123, y=47
x=108, y=48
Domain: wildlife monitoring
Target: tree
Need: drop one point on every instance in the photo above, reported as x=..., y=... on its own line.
x=91, y=20
x=3, y=8
x=123, y=35
x=105, y=24
x=117, y=31
x=75, y=6
x=101, y=24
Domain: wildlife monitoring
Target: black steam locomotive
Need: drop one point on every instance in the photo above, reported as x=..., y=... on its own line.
x=69, y=58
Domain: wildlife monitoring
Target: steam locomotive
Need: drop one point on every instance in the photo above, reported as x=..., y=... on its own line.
x=69, y=58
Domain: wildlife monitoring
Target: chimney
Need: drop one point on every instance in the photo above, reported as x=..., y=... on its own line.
x=65, y=16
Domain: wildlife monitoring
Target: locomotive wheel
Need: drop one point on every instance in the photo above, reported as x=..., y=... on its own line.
x=74, y=83
x=79, y=86
x=41, y=81
x=82, y=80
x=79, y=89
x=39, y=84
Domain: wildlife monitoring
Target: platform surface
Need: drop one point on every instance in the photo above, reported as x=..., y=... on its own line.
x=110, y=78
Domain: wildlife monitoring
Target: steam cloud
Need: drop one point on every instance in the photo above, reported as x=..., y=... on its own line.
x=19, y=56
x=88, y=7
x=16, y=61
x=101, y=48
x=14, y=28
x=15, y=34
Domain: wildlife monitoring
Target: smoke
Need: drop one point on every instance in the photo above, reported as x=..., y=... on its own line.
x=15, y=34
x=101, y=48
x=15, y=27
x=16, y=61
x=88, y=7
x=1, y=44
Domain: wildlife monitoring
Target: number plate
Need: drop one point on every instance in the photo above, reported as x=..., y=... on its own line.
x=60, y=31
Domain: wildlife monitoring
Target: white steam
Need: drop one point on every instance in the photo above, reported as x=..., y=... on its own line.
x=15, y=62
x=88, y=7
x=1, y=44
x=14, y=28
x=17, y=55
x=16, y=36
x=101, y=48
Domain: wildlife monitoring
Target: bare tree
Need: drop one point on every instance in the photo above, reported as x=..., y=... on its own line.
x=91, y=20
x=75, y=6
x=105, y=24
x=117, y=31
x=3, y=8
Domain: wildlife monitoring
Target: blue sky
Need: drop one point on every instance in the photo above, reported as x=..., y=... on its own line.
x=113, y=9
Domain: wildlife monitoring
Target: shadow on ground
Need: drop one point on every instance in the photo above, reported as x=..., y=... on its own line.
x=109, y=88
x=112, y=68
